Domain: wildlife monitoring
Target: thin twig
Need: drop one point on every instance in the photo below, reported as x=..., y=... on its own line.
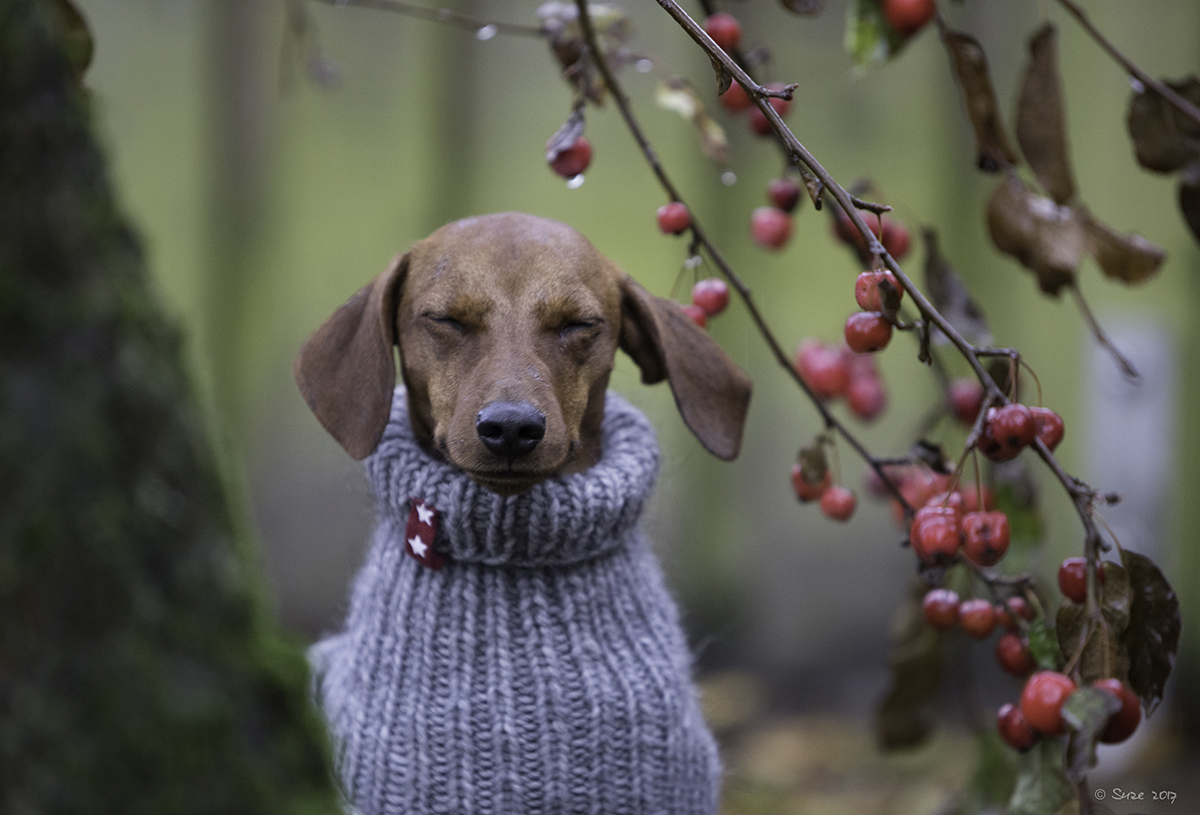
x=1180, y=103
x=1102, y=338
x=442, y=15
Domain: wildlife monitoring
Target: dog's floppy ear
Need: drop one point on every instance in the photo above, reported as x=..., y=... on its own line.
x=345, y=369
x=712, y=393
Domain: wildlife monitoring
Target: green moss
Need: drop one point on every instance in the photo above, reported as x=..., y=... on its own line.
x=139, y=672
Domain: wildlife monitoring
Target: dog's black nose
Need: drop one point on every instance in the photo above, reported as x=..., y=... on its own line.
x=510, y=429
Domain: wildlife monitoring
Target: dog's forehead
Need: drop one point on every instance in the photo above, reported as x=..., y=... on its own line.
x=510, y=253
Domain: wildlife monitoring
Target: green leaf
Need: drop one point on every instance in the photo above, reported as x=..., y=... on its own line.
x=905, y=716
x=1042, y=788
x=993, y=151
x=1086, y=713
x=1152, y=638
x=870, y=41
x=1041, y=121
x=1043, y=646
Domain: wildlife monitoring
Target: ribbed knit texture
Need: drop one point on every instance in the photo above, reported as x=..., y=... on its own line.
x=541, y=670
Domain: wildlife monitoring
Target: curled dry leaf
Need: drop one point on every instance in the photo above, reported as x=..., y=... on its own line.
x=1164, y=139
x=950, y=296
x=1047, y=239
x=970, y=66
x=1130, y=257
x=813, y=464
x=1152, y=638
x=808, y=8
x=561, y=23
x=1189, y=197
x=677, y=95
x=1041, y=122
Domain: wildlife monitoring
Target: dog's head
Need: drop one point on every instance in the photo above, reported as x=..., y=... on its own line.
x=508, y=326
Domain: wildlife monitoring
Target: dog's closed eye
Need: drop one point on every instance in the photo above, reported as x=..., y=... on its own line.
x=569, y=329
x=445, y=321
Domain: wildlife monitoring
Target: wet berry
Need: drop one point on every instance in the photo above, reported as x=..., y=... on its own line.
x=940, y=608
x=1013, y=656
x=1013, y=728
x=867, y=331
x=985, y=536
x=711, y=294
x=1126, y=720
x=1042, y=701
x=977, y=617
x=838, y=503
x=674, y=218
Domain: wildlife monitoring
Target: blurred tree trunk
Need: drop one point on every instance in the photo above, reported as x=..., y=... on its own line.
x=138, y=672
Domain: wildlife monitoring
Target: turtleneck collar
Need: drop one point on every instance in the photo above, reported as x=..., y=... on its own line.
x=563, y=520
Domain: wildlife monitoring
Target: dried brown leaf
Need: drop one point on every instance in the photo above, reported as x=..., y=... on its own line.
x=1189, y=197
x=970, y=66
x=1047, y=239
x=1129, y=257
x=1163, y=138
x=613, y=29
x=1041, y=122
x=677, y=95
x=1152, y=638
x=724, y=78
x=950, y=296
x=808, y=8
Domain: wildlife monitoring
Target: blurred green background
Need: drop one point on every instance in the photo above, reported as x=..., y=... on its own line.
x=266, y=199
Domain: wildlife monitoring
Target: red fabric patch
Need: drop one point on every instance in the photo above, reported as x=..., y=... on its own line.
x=419, y=533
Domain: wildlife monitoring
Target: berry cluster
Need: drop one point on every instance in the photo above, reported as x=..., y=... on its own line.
x=1010, y=429
x=978, y=618
x=813, y=481
x=892, y=233
x=832, y=371
x=1039, y=712
x=709, y=298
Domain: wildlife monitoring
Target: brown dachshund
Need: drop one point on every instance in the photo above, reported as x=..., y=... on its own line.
x=507, y=326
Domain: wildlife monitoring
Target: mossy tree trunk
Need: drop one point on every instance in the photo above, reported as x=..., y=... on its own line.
x=138, y=672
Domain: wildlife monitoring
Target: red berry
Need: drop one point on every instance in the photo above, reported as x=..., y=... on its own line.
x=674, y=218
x=940, y=608
x=1042, y=701
x=866, y=396
x=895, y=238
x=735, y=99
x=699, y=316
x=573, y=160
x=965, y=397
x=724, y=29
x=838, y=503
x=907, y=17
x=771, y=227
x=1072, y=578
x=711, y=294
x=758, y=120
x=952, y=501
x=867, y=331
x=985, y=536
x=1126, y=720
x=1008, y=431
x=824, y=369
x=1013, y=656
x=1013, y=728
x=866, y=289
x=977, y=617
x=783, y=193
x=1048, y=426
x=809, y=490
x=935, y=535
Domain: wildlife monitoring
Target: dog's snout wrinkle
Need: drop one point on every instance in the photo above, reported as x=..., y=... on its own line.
x=510, y=429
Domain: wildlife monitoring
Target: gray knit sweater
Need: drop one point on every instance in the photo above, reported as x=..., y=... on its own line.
x=539, y=668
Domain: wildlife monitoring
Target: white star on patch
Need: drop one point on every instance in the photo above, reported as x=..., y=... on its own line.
x=417, y=545
x=425, y=514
